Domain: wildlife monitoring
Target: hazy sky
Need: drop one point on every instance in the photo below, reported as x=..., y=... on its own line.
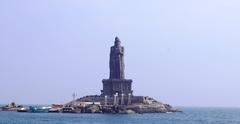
x=181, y=52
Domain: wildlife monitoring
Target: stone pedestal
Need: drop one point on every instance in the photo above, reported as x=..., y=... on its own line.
x=119, y=86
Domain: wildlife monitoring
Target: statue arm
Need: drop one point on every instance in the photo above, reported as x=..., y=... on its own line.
x=111, y=50
x=122, y=51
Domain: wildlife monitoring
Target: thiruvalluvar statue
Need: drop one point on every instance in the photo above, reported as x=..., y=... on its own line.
x=117, y=60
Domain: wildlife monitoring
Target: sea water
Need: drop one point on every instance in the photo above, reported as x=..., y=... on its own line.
x=188, y=116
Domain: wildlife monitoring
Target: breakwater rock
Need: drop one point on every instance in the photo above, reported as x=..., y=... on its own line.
x=139, y=108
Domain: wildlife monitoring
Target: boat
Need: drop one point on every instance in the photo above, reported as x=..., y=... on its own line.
x=54, y=110
x=22, y=109
x=69, y=110
x=35, y=109
x=11, y=107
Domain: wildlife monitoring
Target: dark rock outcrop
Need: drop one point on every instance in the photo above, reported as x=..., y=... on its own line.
x=142, y=105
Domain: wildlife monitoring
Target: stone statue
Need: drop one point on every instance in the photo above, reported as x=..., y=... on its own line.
x=117, y=60
x=116, y=84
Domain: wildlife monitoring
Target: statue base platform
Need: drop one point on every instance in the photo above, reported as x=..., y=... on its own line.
x=116, y=86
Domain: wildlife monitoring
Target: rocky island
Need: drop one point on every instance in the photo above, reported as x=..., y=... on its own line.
x=117, y=94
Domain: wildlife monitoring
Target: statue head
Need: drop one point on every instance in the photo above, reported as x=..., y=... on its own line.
x=117, y=41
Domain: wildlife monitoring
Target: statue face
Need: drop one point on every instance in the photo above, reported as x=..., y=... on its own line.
x=117, y=43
